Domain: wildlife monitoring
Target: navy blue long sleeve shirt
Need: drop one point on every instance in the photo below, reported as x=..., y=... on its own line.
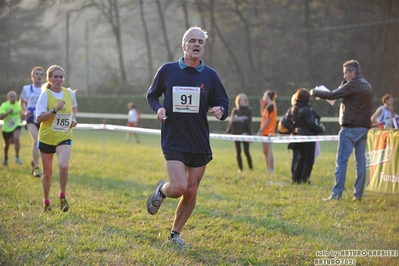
x=186, y=131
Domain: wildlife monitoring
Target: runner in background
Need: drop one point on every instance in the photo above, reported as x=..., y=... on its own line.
x=133, y=121
x=29, y=96
x=10, y=112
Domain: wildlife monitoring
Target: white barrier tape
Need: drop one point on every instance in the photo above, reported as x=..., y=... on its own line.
x=274, y=139
x=153, y=116
x=140, y=130
x=247, y=138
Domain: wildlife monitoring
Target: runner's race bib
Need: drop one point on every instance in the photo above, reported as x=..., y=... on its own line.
x=62, y=122
x=11, y=122
x=186, y=99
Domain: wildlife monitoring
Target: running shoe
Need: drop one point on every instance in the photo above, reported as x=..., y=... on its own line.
x=5, y=162
x=176, y=240
x=18, y=161
x=47, y=208
x=64, y=205
x=36, y=172
x=155, y=200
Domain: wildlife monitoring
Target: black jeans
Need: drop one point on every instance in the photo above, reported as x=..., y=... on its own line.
x=246, y=151
x=305, y=162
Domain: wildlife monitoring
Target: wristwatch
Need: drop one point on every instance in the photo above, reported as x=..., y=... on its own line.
x=53, y=111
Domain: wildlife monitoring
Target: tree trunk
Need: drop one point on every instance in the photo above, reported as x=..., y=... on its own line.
x=253, y=71
x=185, y=13
x=111, y=13
x=208, y=55
x=118, y=36
x=147, y=41
x=229, y=50
x=163, y=26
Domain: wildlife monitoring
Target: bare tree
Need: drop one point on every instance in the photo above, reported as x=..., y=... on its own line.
x=227, y=46
x=252, y=43
x=185, y=12
x=384, y=49
x=21, y=41
x=6, y=15
x=160, y=10
x=210, y=42
x=308, y=39
x=110, y=10
x=147, y=40
x=237, y=8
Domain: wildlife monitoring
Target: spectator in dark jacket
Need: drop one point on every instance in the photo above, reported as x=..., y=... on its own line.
x=306, y=123
x=354, y=119
x=240, y=124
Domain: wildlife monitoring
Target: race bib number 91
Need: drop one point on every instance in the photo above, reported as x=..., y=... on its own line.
x=186, y=99
x=62, y=122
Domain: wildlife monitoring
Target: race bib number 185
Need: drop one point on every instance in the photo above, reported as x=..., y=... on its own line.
x=62, y=122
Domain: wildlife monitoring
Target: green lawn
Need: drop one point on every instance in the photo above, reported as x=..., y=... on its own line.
x=240, y=218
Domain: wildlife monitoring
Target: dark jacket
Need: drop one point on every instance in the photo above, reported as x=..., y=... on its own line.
x=240, y=126
x=356, y=106
x=305, y=119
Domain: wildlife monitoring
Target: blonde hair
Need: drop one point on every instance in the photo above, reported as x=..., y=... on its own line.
x=293, y=99
x=238, y=97
x=49, y=74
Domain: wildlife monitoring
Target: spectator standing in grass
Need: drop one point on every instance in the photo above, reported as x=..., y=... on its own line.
x=56, y=111
x=286, y=126
x=132, y=121
x=268, y=111
x=240, y=124
x=354, y=119
x=10, y=112
x=306, y=122
x=28, y=100
x=190, y=90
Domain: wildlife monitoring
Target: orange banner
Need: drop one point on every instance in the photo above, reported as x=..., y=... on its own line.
x=382, y=160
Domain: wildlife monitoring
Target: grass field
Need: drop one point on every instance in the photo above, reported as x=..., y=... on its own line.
x=240, y=218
